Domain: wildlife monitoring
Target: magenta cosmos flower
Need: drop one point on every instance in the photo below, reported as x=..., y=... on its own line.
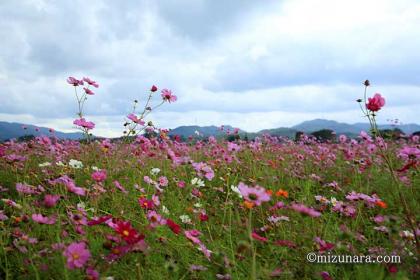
x=99, y=176
x=91, y=82
x=44, y=219
x=375, y=103
x=77, y=255
x=256, y=195
x=75, y=82
x=168, y=96
x=88, y=91
x=83, y=123
x=135, y=119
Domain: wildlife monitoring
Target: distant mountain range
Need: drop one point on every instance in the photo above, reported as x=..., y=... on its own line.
x=15, y=130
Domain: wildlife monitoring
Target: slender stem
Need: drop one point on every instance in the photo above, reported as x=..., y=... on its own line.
x=253, y=275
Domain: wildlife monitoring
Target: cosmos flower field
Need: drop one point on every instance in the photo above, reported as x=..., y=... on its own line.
x=161, y=208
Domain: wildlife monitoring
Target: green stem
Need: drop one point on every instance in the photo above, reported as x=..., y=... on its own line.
x=254, y=263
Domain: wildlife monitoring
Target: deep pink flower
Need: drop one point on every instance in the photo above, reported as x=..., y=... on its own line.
x=204, y=217
x=154, y=88
x=92, y=274
x=100, y=220
x=325, y=275
x=285, y=243
x=75, y=82
x=375, y=103
x=323, y=245
x=146, y=203
x=77, y=255
x=99, y=176
x=258, y=237
x=168, y=96
x=173, y=226
x=127, y=232
x=90, y=82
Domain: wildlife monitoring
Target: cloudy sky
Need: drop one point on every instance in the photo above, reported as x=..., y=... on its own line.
x=251, y=64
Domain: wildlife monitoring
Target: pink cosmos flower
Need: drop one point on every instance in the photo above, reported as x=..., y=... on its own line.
x=168, y=96
x=75, y=82
x=77, y=255
x=375, y=103
x=305, y=210
x=135, y=119
x=83, y=123
x=92, y=274
x=258, y=237
x=91, y=82
x=146, y=203
x=203, y=169
x=193, y=235
x=163, y=181
x=50, y=200
x=411, y=153
x=323, y=245
x=43, y=219
x=173, y=226
x=256, y=195
x=120, y=187
x=88, y=91
x=153, y=88
x=155, y=219
x=70, y=184
x=100, y=220
x=26, y=189
x=181, y=184
x=99, y=176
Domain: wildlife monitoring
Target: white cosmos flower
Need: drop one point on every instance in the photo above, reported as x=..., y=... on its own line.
x=44, y=164
x=75, y=164
x=333, y=201
x=165, y=210
x=185, y=219
x=236, y=190
x=197, y=182
x=155, y=171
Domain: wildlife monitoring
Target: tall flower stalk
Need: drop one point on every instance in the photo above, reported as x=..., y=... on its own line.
x=135, y=123
x=370, y=108
x=82, y=124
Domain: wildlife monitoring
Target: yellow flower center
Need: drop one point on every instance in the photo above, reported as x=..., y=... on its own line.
x=126, y=233
x=75, y=256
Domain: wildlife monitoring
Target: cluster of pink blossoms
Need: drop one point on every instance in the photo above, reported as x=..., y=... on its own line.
x=81, y=121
